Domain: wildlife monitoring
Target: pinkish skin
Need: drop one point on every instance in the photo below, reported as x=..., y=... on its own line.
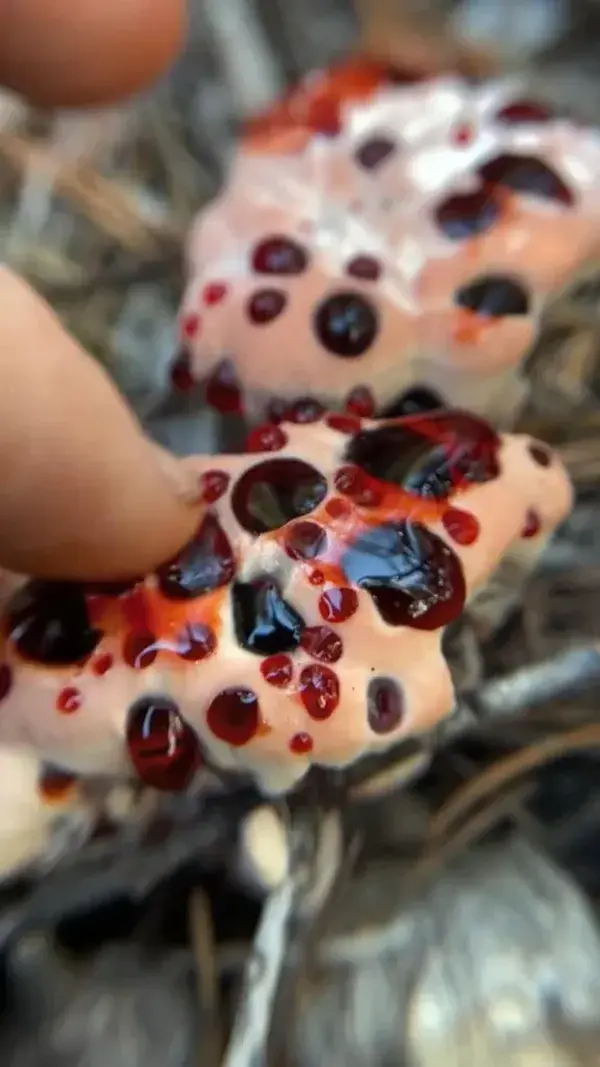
x=315, y=193
x=79, y=716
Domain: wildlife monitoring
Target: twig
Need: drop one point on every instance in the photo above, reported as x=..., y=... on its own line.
x=207, y=981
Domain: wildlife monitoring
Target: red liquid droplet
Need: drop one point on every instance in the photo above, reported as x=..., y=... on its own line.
x=68, y=700
x=367, y=268
x=461, y=525
x=304, y=540
x=526, y=174
x=540, y=454
x=214, y=293
x=277, y=670
x=275, y=491
x=533, y=524
x=181, y=373
x=139, y=650
x=213, y=485
x=361, y=402
x=338, y=508
x=466, y=214
x=524, y=111
x=5, y=680
x=233, y=716
x=320, y=691
x=196, y=642
x=374, y=152
x=322, y=643
x=163, y=749
x=463, y=134
x=55, y=785
x=344, y=423
x=358, y=486
x=205, y=564
x=301, y=743
x=190, y=326
x=346, y=324
x=304, y=410
x=222, y=390
x=279, y=255
x=316, y=578
x=265, y=305
x=338, y=605
x=385, y=705
x=267, y=438
x=103, y=664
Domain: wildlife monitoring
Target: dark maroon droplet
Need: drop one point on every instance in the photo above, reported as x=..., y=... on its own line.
x=265, y=305
x=163, y=749
x=195, y=642
x=461, y=525
x=415, y=401
x=48, y=622
x=322, y=643
x=5, y=680
x=273, y=492
x=206, y=563
x=182, y=378
x=304, y=410
x=346, y=324
x=361, y=402
x=430, y=455
x=140, y=650
x=540, y=454
x=526, y=174
x=533, y=524
x=385, y=705
x=277, y=670
x=234, y=716
x=222, y=391
x=266, y=438
x=343, y=423
x=279, y=255
x=304, y=540
x=103, y=664
x=213, y=485
x=301, y=743
x=465, y=215
x=414, y=578
x=372, y=153
x=338, y=605
x=264, y=622
x=367, y=268
x=55, y=784
x=522, y=111
x=319, y=691
x=494, y=295
x=69, y=700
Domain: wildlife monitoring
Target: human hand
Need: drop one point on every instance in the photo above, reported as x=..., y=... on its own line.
x=83, y=493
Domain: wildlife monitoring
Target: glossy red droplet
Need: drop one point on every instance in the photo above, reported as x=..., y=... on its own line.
x=304, y=410
x=277, y=670
x=361, y=402
x=181, y=373
x=213, y=485
x=206, y=563
x=385, y=705
x=304, y=540
x=464, y=215
x=214, y=293
x=69, y=700
x=266, y=438
x=222, y=390
x=322, y=643
x=279, y=255
x=55, y=784
x=367, y=268
x=540, y=454
x=461, y=526
x=140, y=649
x=190, y=325
x=163, y=748
x=316, y=577
x=275, y=491
x=522, y=111
x=233, y=716
x=301, y=743
x=102, y=664
x=462, y=134
x=528, y=175
x=338, y=508
x=346, y=324
x=319, y=691
x=344, y=423
x=338, y=605
x=195, y=642
x=358, y=486
x=533, y=524
x=5, y=680
x=265, y=305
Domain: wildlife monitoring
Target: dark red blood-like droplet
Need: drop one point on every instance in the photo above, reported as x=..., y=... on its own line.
x=102, y=664
x=265, y=305
x=494, y=295
x=55, y=784
x=279, y=255
x=540, y=454
x=526, y=174
x=372, y=153
x=163, y=748
x=319, y=691
x=233, y=716
x=69, y=700
x=206, y=563
x=301, y=743
x=533, y=524
x=271, y=493
x=361, y=402
x=414, y=402
x=367, y=268
x=466, y=214
x=304, y=540
x=316, y=577
x=338, y=605
x=304, y=410
x=264, y=622
x=182, y=378
x=385, y=705
x=346, y=324
x=48, y=623
x=461, y=525
x=196, y=642
x=214, y=293
x=413, y=577
x=338, y=508
x=213, y=484
x=190, y=325
x=140, y=650
x=522, y=111
x=222, y=390
x=463, y=134
x=358, y=486
x=277, y=670
x=344, y=423
x=322, y=643
x=267, y=438
x=5, y=680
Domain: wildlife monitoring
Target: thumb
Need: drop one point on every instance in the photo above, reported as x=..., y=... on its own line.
x=83, y=493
